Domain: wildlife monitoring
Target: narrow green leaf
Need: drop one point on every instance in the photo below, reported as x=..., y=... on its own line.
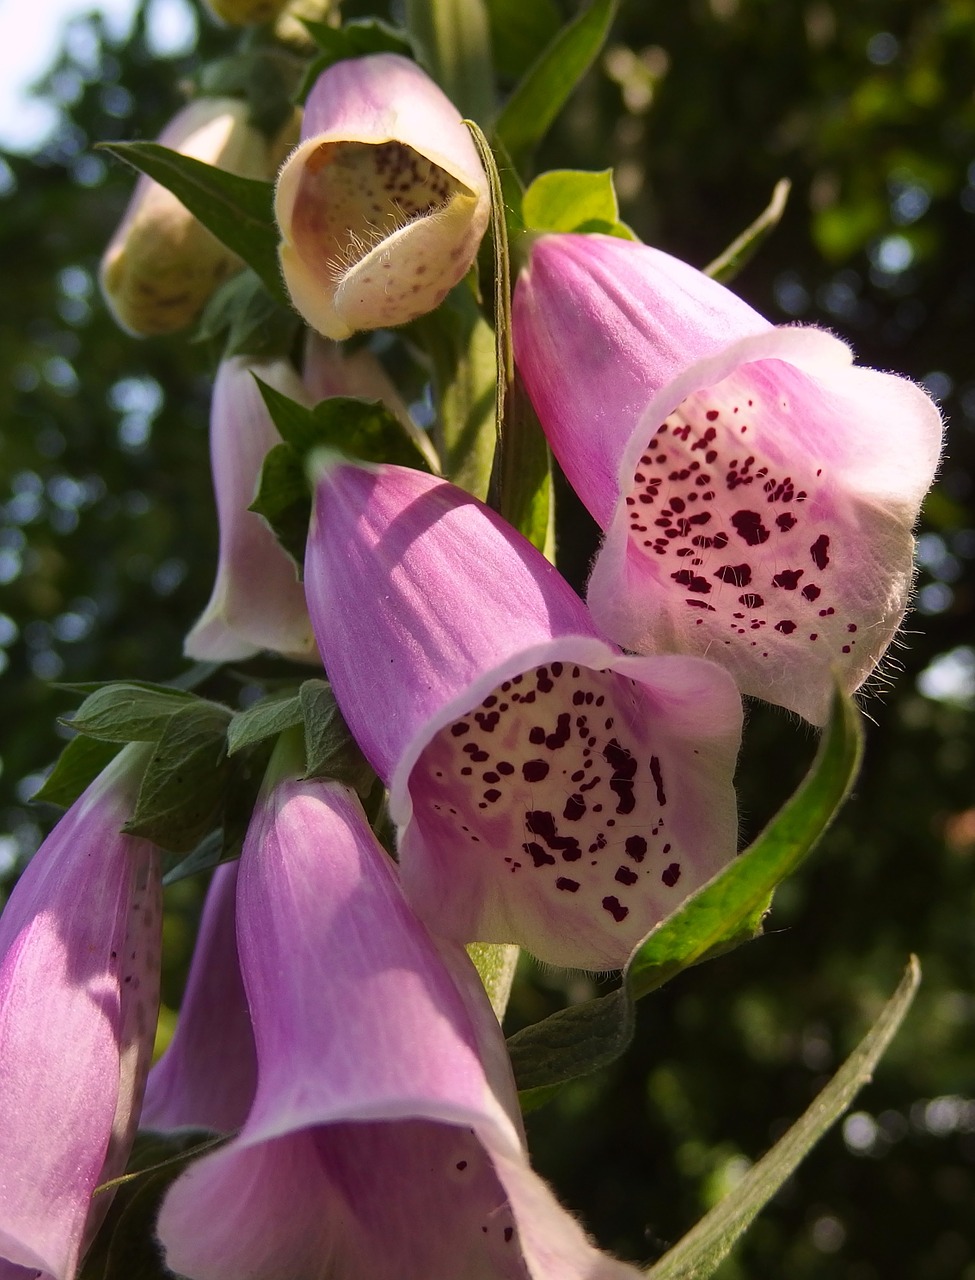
x=293, y=420
x=525, y=473
x=265, y=719
x=239, y=211
x=541, y=95
x=572, y=1042
x=78, y=765
x=729, y=908
x=520, y=31
x=128, y=712
x=453, y=40
x=700, y=1252
x=182, y=791
x=727, y=265
x=284, y=500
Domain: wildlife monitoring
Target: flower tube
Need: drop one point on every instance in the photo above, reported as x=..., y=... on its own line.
x=383, y=204
x=79, y=989
x=257, y=601
x=547, y=790
x=384, y=1139
x=757, y=491
x=162, y=265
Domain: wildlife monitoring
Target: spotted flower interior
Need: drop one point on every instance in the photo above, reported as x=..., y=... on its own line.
x=559, y=783
x=737, y=511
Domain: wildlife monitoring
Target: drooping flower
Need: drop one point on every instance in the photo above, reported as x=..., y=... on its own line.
x=162, y=265
x=547, y=790
x=257, y=601
x=384, y=1139
x=757, y=491
x=206, y=1077
x=383, y=205
x=79, y=988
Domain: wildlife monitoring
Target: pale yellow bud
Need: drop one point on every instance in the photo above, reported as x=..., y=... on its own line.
x=162, y=264
x=245, y=13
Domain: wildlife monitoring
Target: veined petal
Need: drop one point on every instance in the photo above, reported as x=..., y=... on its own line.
x=206, y=1078
x=763, y=490
x=384, y=202
x=79, y=982
x=257, y=601
x=547, y=790
x=379, y=1144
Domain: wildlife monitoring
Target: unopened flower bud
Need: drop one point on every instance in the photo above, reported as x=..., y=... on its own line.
x=162, y=264
x=245, y=13
x=383, y=205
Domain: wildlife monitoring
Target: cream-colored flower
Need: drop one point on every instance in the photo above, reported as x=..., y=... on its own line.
x=384, y=203
x=162, y=264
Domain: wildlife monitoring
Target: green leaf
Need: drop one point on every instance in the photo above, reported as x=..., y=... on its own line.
x=729, y=908
x=353, y=39
x=182, y=792
x=209, y=853
x=284, y=500
x=572, y=1042
x=330, y=749
x=727, y=265
x=265, y=719
x=128, y=712
x=247, y=320
x=454, y=44
x=78, y=765
x=239, y=211
x=525, y=474
x=520, y=31
x=541, y=95
x=566, y=199
x=699, y=1253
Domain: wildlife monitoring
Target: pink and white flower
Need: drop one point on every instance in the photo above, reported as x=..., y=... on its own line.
x=757, y=491
x=547, y=790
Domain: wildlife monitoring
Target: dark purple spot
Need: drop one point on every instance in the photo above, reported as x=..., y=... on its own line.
x=785, y=521
x=658, y=780
x=575, y=808
x=712, y=415
x=492, y=796
x=460, y=728
x=537, y=854
x=534, y=770
x=820, y=551
x=541, y=823
x=687, y=579
x=623, y=765
x=788, y=579
x=636, y=848
x=748, y=525
x=562, y=732
x=570, y=886
x=851, y=627
x=671, y=875
x=811, y=592
x=738, y=575
x=625, y=875
x=616, y=909
x=508, y=1233
x=751, y=601
x=786, y=626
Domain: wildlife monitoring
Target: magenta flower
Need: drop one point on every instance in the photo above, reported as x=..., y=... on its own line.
x=384, y=1138
x=383, y=204
x=257, y=601
x=547, y=790
x=757, y=491
x=79, y=991
x=206, y=1078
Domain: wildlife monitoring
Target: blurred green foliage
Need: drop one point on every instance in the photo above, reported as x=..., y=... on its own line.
x=108, y=539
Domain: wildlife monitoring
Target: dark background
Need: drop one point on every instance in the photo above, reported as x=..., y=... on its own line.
x=108, y=538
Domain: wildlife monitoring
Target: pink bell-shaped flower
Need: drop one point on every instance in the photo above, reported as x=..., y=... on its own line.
x=257, y=601
x=384, y=1139
x=206, y=1077
x=757, y=491
x=79, y=991
x=383, y=204
x=547, y=790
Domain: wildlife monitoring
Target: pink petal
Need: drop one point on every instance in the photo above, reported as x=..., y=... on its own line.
x=384, y=203
x=79, y=941
x=207, y=1076
x=547, y=790
x=257, y=601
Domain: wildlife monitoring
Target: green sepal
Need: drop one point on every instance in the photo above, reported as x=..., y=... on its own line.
x=726, y=265
x=183, y=789
x=727, y=911
x=264, y=719
x=247, y=319
x=705, y=1246
x=77, y=767
x=548, y=83
x=574, y=200
x=355, y=39
x=239, y=211
x=264, y=77
x=363, y=429
x=127, y=711
x=330, y=749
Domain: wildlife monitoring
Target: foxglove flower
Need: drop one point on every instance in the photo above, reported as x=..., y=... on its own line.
x=547, y=790
x=383, y=205
x=162, y=264
x=206, y=1077
x=79, y=989
x=757, y=491
x=257, y=601
x=384, y=1139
